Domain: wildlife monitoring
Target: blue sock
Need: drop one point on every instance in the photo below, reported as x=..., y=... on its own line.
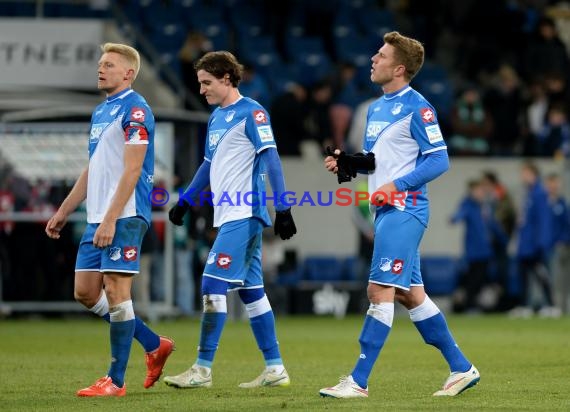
x=213, y=320
x=122, y=331
x=431, y=324
x=210, y=333
x=262, y=324
x=147, y=338
x=377, y=326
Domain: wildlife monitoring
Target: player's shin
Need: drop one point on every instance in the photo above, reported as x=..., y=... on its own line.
x=143, y=334
x=262, y=324
x=213, y=320
x=377, y=326
x=431, y=324
x=122, y=330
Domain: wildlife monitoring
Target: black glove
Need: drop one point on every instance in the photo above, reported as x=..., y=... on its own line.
x=284, y=224
x=349, y=164
x=176, y=214
x=343, y=174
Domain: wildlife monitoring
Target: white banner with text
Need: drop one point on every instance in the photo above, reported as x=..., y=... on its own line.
x=50, y=52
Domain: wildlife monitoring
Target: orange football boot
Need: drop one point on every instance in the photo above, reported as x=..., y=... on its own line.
x=156, y=359
x=103, y=387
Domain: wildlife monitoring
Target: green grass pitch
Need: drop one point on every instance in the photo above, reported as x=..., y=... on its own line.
x=524, y=364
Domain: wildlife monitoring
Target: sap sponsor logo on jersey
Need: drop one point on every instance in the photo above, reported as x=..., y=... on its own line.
x=427, y=114
x=434, y=133
x=214, y=137
x=96, y=131
x=224, y=261
x=259, y=116
x=265, y=133
x=130, y=253
x=374, y=129
x=137, y=114
x=114, y=253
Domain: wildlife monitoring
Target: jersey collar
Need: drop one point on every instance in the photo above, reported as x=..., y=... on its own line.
x=119, y=95
x=397, y=93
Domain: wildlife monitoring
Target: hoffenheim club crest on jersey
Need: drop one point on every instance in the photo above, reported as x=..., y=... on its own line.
x=397, y=108
x=230, y=115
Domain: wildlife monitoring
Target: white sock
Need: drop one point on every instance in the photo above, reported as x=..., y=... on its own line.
x=278, y=369
x=101, y=308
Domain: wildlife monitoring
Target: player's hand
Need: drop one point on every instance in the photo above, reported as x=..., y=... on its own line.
x=55, y=224
x=104, y=234
x=330, y=160
x=385, y=194
x=284, y=224
x=341, y=167
x=177, y=212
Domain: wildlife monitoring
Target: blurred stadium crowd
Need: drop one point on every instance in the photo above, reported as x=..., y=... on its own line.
x=497, y=71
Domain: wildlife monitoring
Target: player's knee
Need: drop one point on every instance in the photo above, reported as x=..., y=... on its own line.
x=215, y=303
x=86, y=296
x=248, y=296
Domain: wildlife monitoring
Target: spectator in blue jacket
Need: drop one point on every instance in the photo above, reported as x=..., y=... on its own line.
x=535, y=228
x=560, y=244
x=480, y=230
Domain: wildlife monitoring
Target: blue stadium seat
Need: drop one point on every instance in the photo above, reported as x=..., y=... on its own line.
x=311, y=67
x=350, y=268
x=168, y=37
x=377, y=21
x=440, y=274
x=249, y=46
x=299, y=46
x=322, y=268
x=435, y=85
x=247, y=20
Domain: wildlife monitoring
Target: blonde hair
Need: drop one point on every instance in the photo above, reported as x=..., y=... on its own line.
x=129, y=53
x=407, y=52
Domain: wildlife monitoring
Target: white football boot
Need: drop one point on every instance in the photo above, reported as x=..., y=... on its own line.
x=268, y=378
x=458, y=382
x=346, y=388
x=195, y=377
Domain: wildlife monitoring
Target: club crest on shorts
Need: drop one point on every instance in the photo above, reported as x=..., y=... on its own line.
x=385, y=264
x=114, y=253
x=211, y=258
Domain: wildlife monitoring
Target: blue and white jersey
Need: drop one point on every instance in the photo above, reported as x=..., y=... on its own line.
x=236, y=135
x=401, y=129
x=122, y=119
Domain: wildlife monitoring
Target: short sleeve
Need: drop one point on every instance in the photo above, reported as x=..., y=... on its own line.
x=425, y=129
x=259, y=131
x=137, y=121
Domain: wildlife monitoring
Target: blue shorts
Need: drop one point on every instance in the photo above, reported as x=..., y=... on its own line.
x=396, y=257
x=236, y=254
x=122, y=256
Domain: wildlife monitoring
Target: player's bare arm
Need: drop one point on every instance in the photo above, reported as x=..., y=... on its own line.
x=72, y=201
x=134, y=157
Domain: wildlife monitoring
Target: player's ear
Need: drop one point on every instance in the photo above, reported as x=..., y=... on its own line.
x=129, y=74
